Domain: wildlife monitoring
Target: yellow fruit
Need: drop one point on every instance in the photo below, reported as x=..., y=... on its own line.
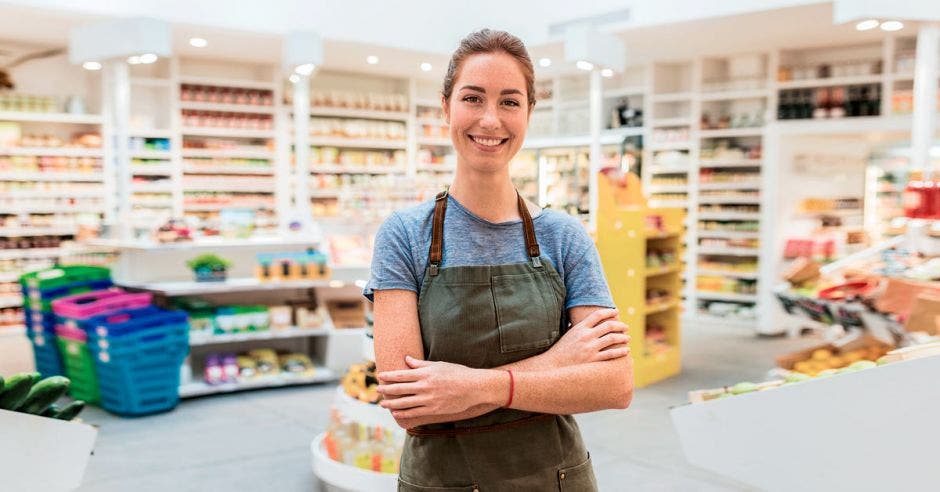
x=802, y=366
x=821, y=354
x=852, y=357
x=835, y=362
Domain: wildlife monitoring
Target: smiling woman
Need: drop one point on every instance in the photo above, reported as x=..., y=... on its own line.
x=492, y=331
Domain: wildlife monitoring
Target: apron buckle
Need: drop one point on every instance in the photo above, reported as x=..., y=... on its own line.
x=536, y=262
x=432, y=269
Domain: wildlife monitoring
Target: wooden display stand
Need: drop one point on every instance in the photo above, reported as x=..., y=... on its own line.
x=624, y=235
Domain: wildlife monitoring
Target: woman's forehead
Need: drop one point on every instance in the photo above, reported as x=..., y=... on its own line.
x=491, y=71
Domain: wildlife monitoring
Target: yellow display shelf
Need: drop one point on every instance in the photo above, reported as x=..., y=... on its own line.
x=625, y=231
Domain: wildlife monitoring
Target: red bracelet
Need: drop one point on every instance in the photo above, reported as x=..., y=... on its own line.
x=512, y=388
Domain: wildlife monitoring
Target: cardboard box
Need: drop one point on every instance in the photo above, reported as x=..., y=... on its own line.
x=868, y=430
x=839, y=347
x=925, y=314
x=347, y=313
x=40, y=454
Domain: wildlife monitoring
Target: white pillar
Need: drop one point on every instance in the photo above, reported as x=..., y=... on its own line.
x=594, y=111
x=925, y=95
x=120, y=107
x=302, y=151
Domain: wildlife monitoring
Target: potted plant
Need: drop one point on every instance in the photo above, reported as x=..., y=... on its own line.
x=209, y=267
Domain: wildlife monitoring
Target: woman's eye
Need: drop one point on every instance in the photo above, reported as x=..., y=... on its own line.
x=511, y=102
x=472, y=99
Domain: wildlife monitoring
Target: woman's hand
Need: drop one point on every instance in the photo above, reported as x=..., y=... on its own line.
x=439, y=388
x=598, y=337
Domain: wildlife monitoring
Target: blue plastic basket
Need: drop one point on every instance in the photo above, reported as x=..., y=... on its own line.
x=40, y=323
x=36, y=300
x=46, y=355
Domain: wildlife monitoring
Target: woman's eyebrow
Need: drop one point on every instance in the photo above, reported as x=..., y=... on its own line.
x=480, y=89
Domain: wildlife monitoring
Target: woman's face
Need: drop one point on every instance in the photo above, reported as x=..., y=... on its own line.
x=488, y=111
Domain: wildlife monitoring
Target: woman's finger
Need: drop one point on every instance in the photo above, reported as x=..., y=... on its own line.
x=398, y=389
x=608, y=341
x=402, y=403
x=412, y=413
x=597, y=316
x=612, y=353
x=402, y=376
x=609, y=326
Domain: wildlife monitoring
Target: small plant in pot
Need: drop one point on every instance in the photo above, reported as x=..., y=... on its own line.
x=209, y=268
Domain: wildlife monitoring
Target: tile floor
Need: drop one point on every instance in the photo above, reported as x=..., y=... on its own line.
x=260, y=441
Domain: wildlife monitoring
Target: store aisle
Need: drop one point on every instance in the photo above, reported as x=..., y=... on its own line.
x=261, y=440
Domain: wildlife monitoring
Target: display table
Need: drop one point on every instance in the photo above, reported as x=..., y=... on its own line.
x=348, y=477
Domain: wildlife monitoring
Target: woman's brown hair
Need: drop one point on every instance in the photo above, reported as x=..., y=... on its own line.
x=490, y=41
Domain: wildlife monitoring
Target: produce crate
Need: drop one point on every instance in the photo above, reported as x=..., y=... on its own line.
x=79, y=364
x=46, y=354
x=57, y=277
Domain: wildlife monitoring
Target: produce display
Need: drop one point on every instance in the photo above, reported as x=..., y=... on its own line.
x=255, y=364
x=360, y=383
x=27, y=393
x=367, y=447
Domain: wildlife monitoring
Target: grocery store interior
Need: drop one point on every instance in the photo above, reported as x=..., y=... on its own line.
x=190, y=193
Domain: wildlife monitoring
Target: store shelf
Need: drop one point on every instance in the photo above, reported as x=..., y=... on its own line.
x=664, y=122
x=227, y=169
x=431, y=122
x=683, y=188
x=199, y=388
x=729, y=234
x=735, y=94
x=364, y=114
x=221, y=185
x=830, y=213
x=37, y=231
x=655, y=272
x=670, y=146
x=225, y=82
x=13, y=331
x=654, y=203
x=661, y=235
x=186, y=288
x=216, y=243
x=728, y=200
x=151, y=169
x=229, y=153
x=729, y=251
x=728, y=273
x=668, y=169
x=150, y=133
x=52, y=151
x=161, y=187
x=661, y=307
x=7, y=278
x=50, y=176
x=226, y=132
x=66, y=118
x=357, y=143
x=626, y=92
x=10, y=301
x=151, y=154
x=64, y=209
x=350, y=169
x=440, y=168
x=215, y=207
x=722, y=163
x=435, y=142
x=428, y=102
x=31, y=253
x=673, y=97
x=294, y=332
x=732, y=133
x=728, y=216
x=348, y=477
x=726, y=296
x=747, y=185
x=829, y=82
x=227, y=108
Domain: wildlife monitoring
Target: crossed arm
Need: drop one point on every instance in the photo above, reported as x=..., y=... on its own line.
x=588, y=369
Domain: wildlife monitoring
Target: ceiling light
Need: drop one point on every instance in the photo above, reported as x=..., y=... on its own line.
x=148, y=58
x=91, y=65
x=133, y=60
x=545, y=62
x=867, y=24
x=294, y=78
x=426, y=66
x=305, y=69
x=198, y=42
x=372, y=59
x=892, y=26
x=584, y=65
x=607, y=73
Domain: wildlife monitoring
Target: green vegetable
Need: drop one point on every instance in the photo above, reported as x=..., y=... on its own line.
x=71, y=410
x=50, y=412
x=1, y=384
x=43, y=394
x=17, y=389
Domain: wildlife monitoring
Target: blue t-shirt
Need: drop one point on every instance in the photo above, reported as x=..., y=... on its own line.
x=403, y=242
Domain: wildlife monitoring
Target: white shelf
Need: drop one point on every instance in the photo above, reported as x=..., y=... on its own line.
x=227, y=108
x=732, y=132
x=38, y=231
x=722, y=163
x=728, y=273
x=683, y=188
x=654, y=203
x=199, y=388
x=151, y=169
x=151, y=82
x=166, y=187
x=151, y=154
x=728, y=234
x=431, y=103
x=810, y=83
x=212, y=207
x=670, y=146
x=366, y=114
x=226, y=132
x=440, y=168
x=351, y=169
x=13, y=331
x=431, y=122
x=668, y=170
x=150, y=133
x=830, y=213
x=626, y=92
x=62, y=209
x=728, y=216
x=348, y=477
x=615, y=135
x=10, y=301
x=77, y=119
x=729, y=200
x=221, y=185
x=228, y=153
x=230, y=83
x=664, y=122
x=729, y=251
x=755, y=185
x=435, y=142
x=51, y=176
x=673, y=97
x=726, y=296
x=294, y=332
x=6, y=278
x=10, y=254
x=357, y=143
x=52, y=151
x=187, y=288
x=208, y=243
x=227, y=169
x=735, y=94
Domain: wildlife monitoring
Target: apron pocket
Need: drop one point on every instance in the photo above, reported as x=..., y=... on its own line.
x=527, y=313
x=404, y=486
x=577, y=478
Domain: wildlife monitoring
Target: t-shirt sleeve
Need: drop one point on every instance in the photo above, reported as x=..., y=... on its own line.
x=584, y=275
x=392, y=259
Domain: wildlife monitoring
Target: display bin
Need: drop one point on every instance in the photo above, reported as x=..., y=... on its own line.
x=54, y=278
x=46, y=354
x=79, y=365
x=95, y=303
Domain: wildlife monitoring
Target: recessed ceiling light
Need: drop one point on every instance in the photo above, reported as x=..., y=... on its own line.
x=866, y=25
x=607, y=73
x=584, y=65
x=372, y=59
x=294, y=78
x=133, y=60
x=545, y=62
x=892, y=26
x=305, y=69
x=198, y=42
x=148, y=58
x=426, y=66
x=91, y=65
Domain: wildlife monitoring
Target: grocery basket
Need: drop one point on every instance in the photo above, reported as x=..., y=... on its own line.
x=78, y=363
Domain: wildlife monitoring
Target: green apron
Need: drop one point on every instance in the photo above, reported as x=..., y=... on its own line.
x=485, y=317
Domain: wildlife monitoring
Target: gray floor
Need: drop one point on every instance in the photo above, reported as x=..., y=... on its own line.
x=260, y=440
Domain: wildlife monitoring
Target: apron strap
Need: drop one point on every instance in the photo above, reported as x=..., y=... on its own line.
x=531, y=243
x=437, y=233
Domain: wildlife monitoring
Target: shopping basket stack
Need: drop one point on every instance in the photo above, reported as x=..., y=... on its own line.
x=42, y=287
x=136, y=349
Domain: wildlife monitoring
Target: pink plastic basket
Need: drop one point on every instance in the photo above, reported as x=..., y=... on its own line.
x=71, y=333
x=86, y=305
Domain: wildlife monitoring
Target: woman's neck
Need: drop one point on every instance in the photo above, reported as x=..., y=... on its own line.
x=490, y=196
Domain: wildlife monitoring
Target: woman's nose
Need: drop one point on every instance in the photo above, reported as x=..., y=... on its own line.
x=490, y=117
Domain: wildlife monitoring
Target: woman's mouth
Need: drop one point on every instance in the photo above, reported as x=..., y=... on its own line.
x=488, y=143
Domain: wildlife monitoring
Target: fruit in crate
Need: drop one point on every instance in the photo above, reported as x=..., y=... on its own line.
x=822, y=361
x=360, y=383
x=26, y=393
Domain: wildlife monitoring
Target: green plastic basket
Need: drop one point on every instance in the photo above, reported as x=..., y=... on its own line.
x=79, y=364
x=63, y=275
x=45, y=304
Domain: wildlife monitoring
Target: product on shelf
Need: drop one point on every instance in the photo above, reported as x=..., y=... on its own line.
x=358, y=129
x=724, y=120
x=830, y=102
x=655, y=340
x=220, y=368
x=221, y=144
x=829, y=69
x=359, y=100
x=730, y=149
x=151, y=144
x=349, y=157
x=671, y=135
x=624, y=116
x=728, y=176
x=718, y=285
x=219, y=119
x=729, y=226
x=226, y=95
x=30, y=103
x=309, y=265
x=658, y=258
